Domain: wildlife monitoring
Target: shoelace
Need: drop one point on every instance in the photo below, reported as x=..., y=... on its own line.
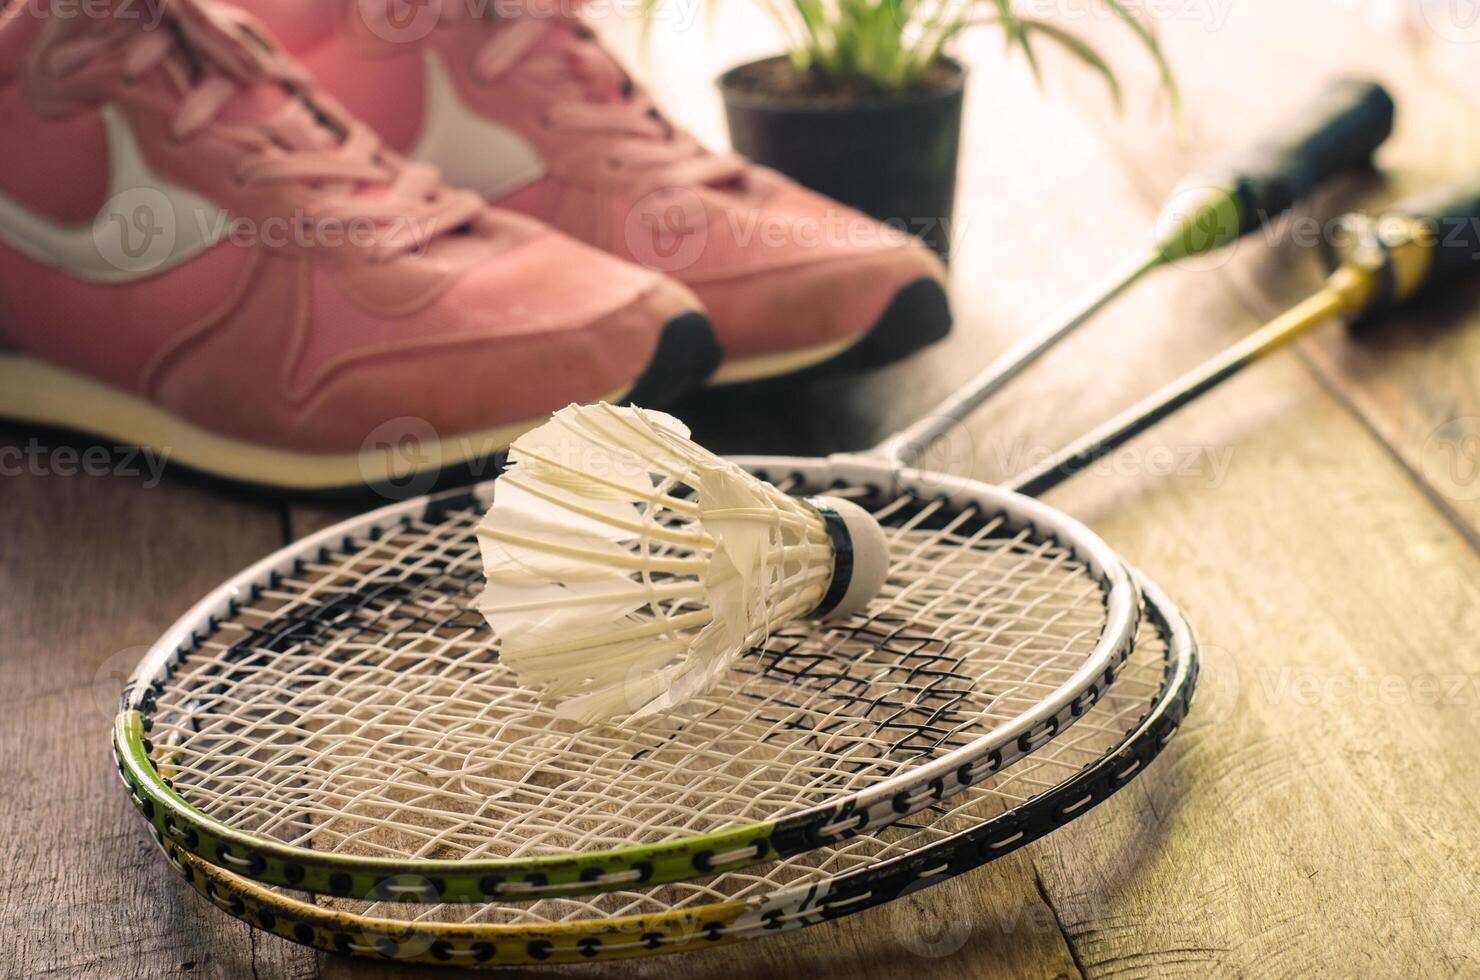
x=643, y=145
x=298, y=141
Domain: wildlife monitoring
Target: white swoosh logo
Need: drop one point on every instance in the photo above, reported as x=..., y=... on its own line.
x=147, y=226
x=469, y=150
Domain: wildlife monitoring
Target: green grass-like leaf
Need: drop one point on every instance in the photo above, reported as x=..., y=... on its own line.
x=1153, y=45
x=892, y=44
x=1080, y=48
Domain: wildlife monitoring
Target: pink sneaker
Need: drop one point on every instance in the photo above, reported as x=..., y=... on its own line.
x=533, y=113
x=201, y=253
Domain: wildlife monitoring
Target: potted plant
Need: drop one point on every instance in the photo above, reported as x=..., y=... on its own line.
x=865, y=105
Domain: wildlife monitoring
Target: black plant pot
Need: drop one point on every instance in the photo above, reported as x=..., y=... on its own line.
x=890, y=157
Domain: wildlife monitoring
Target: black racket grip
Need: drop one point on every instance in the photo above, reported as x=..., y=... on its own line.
x=1451, y=232
x=1338, y=132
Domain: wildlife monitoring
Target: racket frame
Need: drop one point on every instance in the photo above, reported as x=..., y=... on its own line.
x=175, y=820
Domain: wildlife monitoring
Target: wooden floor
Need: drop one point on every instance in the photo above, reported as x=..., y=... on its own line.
x=1320, y=813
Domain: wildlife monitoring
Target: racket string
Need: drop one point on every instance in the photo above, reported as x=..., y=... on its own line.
x=1104, y=727
x=357, y=705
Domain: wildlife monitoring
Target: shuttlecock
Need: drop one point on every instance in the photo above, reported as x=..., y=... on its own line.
x=628, y=568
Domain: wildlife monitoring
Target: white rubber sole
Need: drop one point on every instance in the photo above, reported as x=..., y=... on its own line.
x=917, y=316
x=34, y=391
x=775, y=365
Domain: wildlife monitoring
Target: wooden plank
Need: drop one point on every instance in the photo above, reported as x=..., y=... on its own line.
x=92, y=570
x=1332, y=598
x=1316, y=818
x=1196, y=891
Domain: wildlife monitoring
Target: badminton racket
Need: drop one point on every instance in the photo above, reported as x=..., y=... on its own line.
x=1115, y=741
x=336, y=717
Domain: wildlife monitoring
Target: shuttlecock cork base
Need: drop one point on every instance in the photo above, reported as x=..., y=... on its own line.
x=860, y=558
x=628, y=568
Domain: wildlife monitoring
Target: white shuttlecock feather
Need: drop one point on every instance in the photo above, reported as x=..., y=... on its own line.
x=628, y=568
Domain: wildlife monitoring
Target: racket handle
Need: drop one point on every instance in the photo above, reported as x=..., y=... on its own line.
x=1417, y=247
x=1338, y=132
x=1448, y=226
